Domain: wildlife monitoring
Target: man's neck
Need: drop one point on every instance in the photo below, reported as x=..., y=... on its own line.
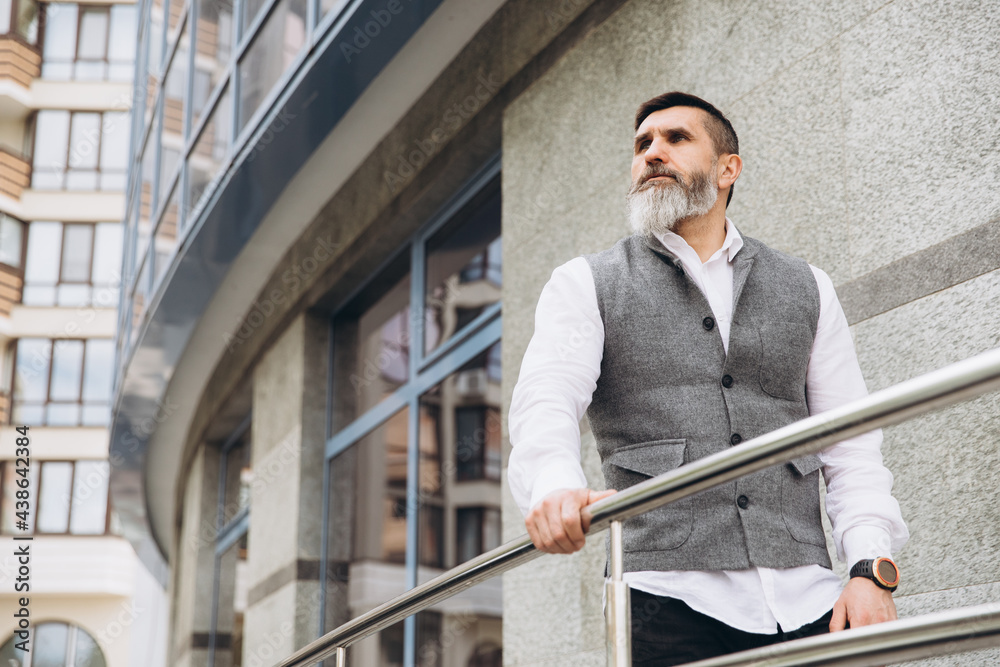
x=704, y=233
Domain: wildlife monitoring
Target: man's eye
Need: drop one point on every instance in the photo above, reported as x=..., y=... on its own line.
x=677, y=137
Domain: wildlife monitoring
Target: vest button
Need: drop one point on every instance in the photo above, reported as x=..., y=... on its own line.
x=708, y=323
x=743, y=502
x=727, y=381
x=736, y=438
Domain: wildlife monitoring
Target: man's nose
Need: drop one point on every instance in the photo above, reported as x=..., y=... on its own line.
x=658, y=151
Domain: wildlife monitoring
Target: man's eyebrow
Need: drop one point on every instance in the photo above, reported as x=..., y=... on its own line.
x=666, y=132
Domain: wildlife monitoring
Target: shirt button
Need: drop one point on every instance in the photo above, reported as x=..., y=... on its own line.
x=743, y=502
x=736, y=438
x=727, y=381
x=708, y=323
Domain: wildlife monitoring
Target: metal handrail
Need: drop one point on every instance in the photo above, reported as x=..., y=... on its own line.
x=952, y=384
x=934, y=634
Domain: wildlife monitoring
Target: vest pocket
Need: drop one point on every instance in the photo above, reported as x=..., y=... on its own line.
x=784, y=360
x=800, y=507
x=666, y=527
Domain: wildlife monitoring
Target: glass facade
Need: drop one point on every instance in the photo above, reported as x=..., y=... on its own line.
x=413, y=465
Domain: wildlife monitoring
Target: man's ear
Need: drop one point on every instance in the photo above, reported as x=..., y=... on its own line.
x=730, y=166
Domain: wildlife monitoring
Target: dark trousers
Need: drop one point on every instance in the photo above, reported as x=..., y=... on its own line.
x=665, y=631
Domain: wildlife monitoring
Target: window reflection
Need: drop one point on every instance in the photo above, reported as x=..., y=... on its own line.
x=463, y=270
x=210, y=152
x=165, y=241
x=372, y=344
x=367, y=521
x=273, y=50
x=11, y=241
x=214, y=46
x=233, y=587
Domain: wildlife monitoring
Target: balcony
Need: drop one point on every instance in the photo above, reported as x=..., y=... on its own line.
x=20, y=62
x=15, y=172
x=11, y=283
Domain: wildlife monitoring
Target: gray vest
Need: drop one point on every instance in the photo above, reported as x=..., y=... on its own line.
x=669, y=394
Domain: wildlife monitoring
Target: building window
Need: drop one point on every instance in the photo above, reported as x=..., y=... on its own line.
x=11, y=241
x=20, y=17
x=80, y=150
x=65, y=497
x=73, y=264
x=63, y=382
x=415, y=389
x=232, y=528
x=89, y=42
x=54, y=644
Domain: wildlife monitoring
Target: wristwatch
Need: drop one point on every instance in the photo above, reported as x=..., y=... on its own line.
x=882, y=571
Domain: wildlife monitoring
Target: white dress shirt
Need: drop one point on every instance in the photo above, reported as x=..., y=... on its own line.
x=558, y=377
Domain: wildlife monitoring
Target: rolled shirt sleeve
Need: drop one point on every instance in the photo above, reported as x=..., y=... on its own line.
x=866, y=519
x=555, y=385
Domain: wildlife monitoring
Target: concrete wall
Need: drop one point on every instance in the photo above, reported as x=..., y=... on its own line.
x=869, y=136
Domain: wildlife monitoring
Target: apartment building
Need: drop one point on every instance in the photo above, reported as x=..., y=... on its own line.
x=66, y=77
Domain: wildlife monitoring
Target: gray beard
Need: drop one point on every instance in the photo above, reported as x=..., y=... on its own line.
x=655, y=208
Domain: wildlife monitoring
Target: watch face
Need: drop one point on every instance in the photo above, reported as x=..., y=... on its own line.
x=887, y=572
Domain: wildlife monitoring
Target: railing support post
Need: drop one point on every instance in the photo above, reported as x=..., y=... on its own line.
x=619, y=611
x=340, y=657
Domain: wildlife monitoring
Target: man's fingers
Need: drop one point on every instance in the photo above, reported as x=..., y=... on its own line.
x=572, y=524
x=593, y=497
x=839, y=619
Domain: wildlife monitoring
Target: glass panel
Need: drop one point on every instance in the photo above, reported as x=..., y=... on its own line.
x=166, y=235
x=11, y=240
x=8, y=503
x=144, y=225
x=78, y=243
x=44, y=250
x=121, y=43
x=463, y=269
x=95, y=415
x=51, y=148
x=238, y=478
x=114, y=149
x=210, y=152
x=372, y=344
x=97, y=370
x=93, y=37
x=175, y=89
x=250, y=10
x=139, y=298
x=69, y=294
x=88, y=653
x=272, y=51
x=27, y=20
x=53, y=503
x=51, y=645
x=67, y=370
x=326, y=6
x=367, y=529
x=457, y=418
x=232, y=604
x=60, y=40
x=90, y=498
x=32, y=372
x=215, y=45
x=62, y=414
x=85, y=135
x=155, y=40
x=5, y=9
x=107, y=259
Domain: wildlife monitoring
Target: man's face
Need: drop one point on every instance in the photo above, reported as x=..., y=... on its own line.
x=671, y=143
x=674, y=170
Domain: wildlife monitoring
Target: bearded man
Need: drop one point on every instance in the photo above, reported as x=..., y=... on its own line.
x=682, y=340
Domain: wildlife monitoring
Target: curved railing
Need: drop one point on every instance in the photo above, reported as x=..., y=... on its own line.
x=934, y=634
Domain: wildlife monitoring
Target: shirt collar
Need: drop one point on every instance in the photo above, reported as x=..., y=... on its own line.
x=678, y=246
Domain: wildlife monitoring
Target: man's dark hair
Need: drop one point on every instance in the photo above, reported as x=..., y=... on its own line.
x=718, y=126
